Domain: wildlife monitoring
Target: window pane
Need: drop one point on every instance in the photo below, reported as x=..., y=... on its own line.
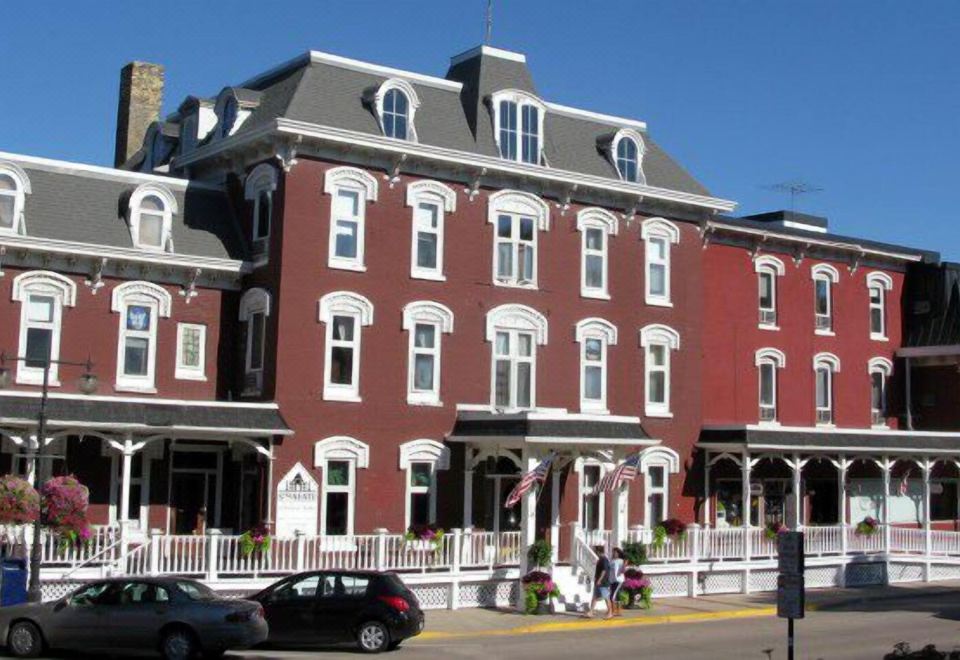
x=594, y=239
x=425, y=335
x=7, y=202
x=657, y=387
x=658, y=355
x=338, y=473
x=263, y=214
x=876, y=320
x=523, y=385
x=346, y=241
x=531, y=134
x=502, y=383
x=151, y=228
x=592, y=383
x=190, y=348
x=138, y=318
x=341, y=365
x=656, y=476
x=823, y=387
x=766, y=384
x=39, y=341
x=526, y=229
x=658, y=279
x=40, y=309
x=657, y=249
x=426, y=250
x=347, y=204
x=423, y=373
x=504, y=226
x=594, y=274
x=593, y=350
x=135, y=355
x=420, y=475
x=503, y=343
x=151, y=203
x=526, y=262
x=256, y=341
x=525, y=344
x=766, y=291
x=876, y=391
x=656, y=508
x=822, y=297
x=337, y=511
x=504, y=260
x=419, y=508
x=343, y=328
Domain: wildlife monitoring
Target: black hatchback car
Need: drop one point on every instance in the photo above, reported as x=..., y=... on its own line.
x=374, y=610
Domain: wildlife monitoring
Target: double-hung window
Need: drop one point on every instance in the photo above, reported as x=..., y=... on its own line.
x=344, y=314
x=879, y=370
x=254, y=311
x=421, y=459
x=878, y=284
x=594, y=336
x=627, y=161
x=658, y=235
x=655, y=487
x=42, y=295
x=514, y=365
x=350, y=190
x=595, y=226
x=258, y=190
x=518, y=118
x=11, y=201
x=151, y=210
x=425, y=321
x=191, y=350
x=516, y=250
x=658, y=341
x=768, y=269
x=430, y=201
x=140, y=304
x=591, y=502
x=396, y=102
x=825, y=367
x=339, y=457
x=768, y=361
x=824, y=277
x=395, y=114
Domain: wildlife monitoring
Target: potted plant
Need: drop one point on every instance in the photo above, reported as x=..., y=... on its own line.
x=540, y=554
x=256, y=540
x=868, y=526
x=19, y=502
x=636, y=590
x=63, y=508
x=774, y=529
x=424, y=537
x=538, y=589
x=670, y=529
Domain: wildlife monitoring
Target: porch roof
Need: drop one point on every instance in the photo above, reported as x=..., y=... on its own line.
x=545, y=428
x=756, y=437
x=140, y=415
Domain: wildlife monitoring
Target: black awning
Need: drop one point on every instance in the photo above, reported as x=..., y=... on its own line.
x=573, y=428
x=221, y=417
x=833, y=440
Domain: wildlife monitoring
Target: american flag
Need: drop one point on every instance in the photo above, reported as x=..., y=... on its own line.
x=626, y=471
x=528, y=480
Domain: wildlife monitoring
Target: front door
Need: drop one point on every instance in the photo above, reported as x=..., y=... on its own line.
x=191, y=501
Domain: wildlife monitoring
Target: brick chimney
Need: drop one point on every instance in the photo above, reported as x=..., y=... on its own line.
x=141, y=93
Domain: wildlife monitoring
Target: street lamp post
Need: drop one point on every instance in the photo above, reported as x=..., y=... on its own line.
x=87, y=385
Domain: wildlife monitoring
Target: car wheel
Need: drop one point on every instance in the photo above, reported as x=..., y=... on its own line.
x=178, y=644
x=24, y=640
x=373, y=637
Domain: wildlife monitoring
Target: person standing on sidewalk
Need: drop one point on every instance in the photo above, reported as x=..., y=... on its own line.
x=616, y=579
x=601, y=582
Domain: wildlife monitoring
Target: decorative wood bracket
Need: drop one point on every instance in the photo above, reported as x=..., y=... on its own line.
x=189, y=290
x=392, y=176
x=95, y=281
x=800, y=253
x=757, y=245
x=630, y=212
x=855, y=261
x=706, y=230
x=473, y=187
x=564, y=203
x=287, y=153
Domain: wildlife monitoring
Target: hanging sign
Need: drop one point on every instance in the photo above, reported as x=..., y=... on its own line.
x=298, y=500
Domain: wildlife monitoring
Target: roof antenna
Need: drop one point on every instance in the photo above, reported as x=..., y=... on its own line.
x=794, y=188
x=488, y=31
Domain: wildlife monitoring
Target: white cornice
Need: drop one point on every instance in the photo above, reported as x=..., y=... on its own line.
x=71, y=248
x=317, y=57
x=266, y=405
x=99, y=172
x=489, y=51
x=616, y=122
x=458, y=159
x=831, y=431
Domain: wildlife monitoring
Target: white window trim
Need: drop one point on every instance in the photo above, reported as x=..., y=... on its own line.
x=443, y=196
x=413, y=102
x=832, y=363
x=365, y=185
x=766, y=264
x=663, y=229
x=441, y=318
x=437, y=455
x=515, y=318
x=340, y=448
x=649, y=490
x=883, y=366
x=606, y=332
x=658, y=335
x=23, y=188
x=160, y=302
x=344, y=303
x=254, y=301
x=637, y=138
x=583, y=490
x=170, y=208
x=778, y=360
x=184, y=372
x=516, y=203
x=263, y=178
x=521, y=98
x=606, y=222
x=831, y=275
x=64, y=293
x=884, y=283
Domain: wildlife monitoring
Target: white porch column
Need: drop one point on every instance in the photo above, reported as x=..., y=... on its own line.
x=555, y=510
x=886, y=465
x=842, y=465
x=125, y=476
x=926, y=467
x=707, y=522
x=269, y=520
x=620, y=498
x=528, y=517
x=468, y=488
x=797, y=467
x=745, y=467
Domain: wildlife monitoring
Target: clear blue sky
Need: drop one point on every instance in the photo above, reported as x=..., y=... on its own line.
x=861, y=98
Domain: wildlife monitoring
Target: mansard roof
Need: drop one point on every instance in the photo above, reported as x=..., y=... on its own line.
x=86, y=204
x=454, y=112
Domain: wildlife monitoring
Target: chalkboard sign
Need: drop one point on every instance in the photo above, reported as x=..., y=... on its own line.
x=790, y=553
x=790, y=596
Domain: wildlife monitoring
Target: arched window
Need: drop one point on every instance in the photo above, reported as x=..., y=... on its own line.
x=768, y=361
x=228, y=115
x=825, y=367
x=350, y=189
x=768, y=269
x=596, y=226
x=518, y=125
x=396, y=102
x=877, y=286
x=254, y=311
x=420, y=460
x=824, y=277
x=43, y=295
x=339, y=457
x=258, y=190
x=140, y=305
x=426, y=321
x=626, y=150
x=517, y=218
x=14, y=187
x=657, y=341
x=595, y=336
x=431, y=201
x=151, y=217
x=879, y=370
x=657, y=464
x=658, y=235
x=515, y=331
x=344, y=313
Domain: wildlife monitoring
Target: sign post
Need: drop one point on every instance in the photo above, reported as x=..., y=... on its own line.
x=790, y=584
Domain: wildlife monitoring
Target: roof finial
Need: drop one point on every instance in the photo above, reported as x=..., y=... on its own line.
x=489, y=23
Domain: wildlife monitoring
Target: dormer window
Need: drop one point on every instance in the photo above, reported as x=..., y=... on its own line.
x=14, y=186
x=228, y=116
x=151, y=217
x=395, y=103
x=625, y=150
x=518, y=126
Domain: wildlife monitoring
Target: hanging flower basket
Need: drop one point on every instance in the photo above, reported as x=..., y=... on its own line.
x=672, y=529
x=868, y=526
x=424, y=537
x=538, y=589
x=64, y=502
x=636, y=590
x=255, y=541
x=19, y=502
x=774, y=529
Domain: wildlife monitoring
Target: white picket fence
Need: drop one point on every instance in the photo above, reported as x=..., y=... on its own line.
x=103, y=545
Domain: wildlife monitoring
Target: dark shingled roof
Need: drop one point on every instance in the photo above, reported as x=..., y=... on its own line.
x=84, y=207
x=812, y=440
x=329, y=94
x=474, y=424
x=152, y=416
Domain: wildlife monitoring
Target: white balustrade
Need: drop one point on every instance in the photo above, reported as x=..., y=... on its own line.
x=907, y=540
x=826, y=540
x=864, y=543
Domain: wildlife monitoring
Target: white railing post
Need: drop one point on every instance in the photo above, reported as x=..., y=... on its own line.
x=455, y=560
x=124, y=548
x=693, y=543
x=381, y=551
x=212, y=554
x=466, y=548
x=155, y=552
x=301, y=551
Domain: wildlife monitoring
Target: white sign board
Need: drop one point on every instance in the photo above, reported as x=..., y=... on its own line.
x=298, y=502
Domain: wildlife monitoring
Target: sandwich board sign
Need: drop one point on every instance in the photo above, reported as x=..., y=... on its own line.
x=298, y=501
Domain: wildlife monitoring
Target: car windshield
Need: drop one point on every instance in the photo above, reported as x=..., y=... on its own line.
x=195, y=590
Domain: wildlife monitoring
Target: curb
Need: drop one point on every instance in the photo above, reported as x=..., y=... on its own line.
x=587, y=624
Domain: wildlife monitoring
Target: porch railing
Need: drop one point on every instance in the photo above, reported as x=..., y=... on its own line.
x=103, y=547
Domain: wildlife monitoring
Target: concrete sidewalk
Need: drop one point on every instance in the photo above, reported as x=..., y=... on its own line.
x=445, y=624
